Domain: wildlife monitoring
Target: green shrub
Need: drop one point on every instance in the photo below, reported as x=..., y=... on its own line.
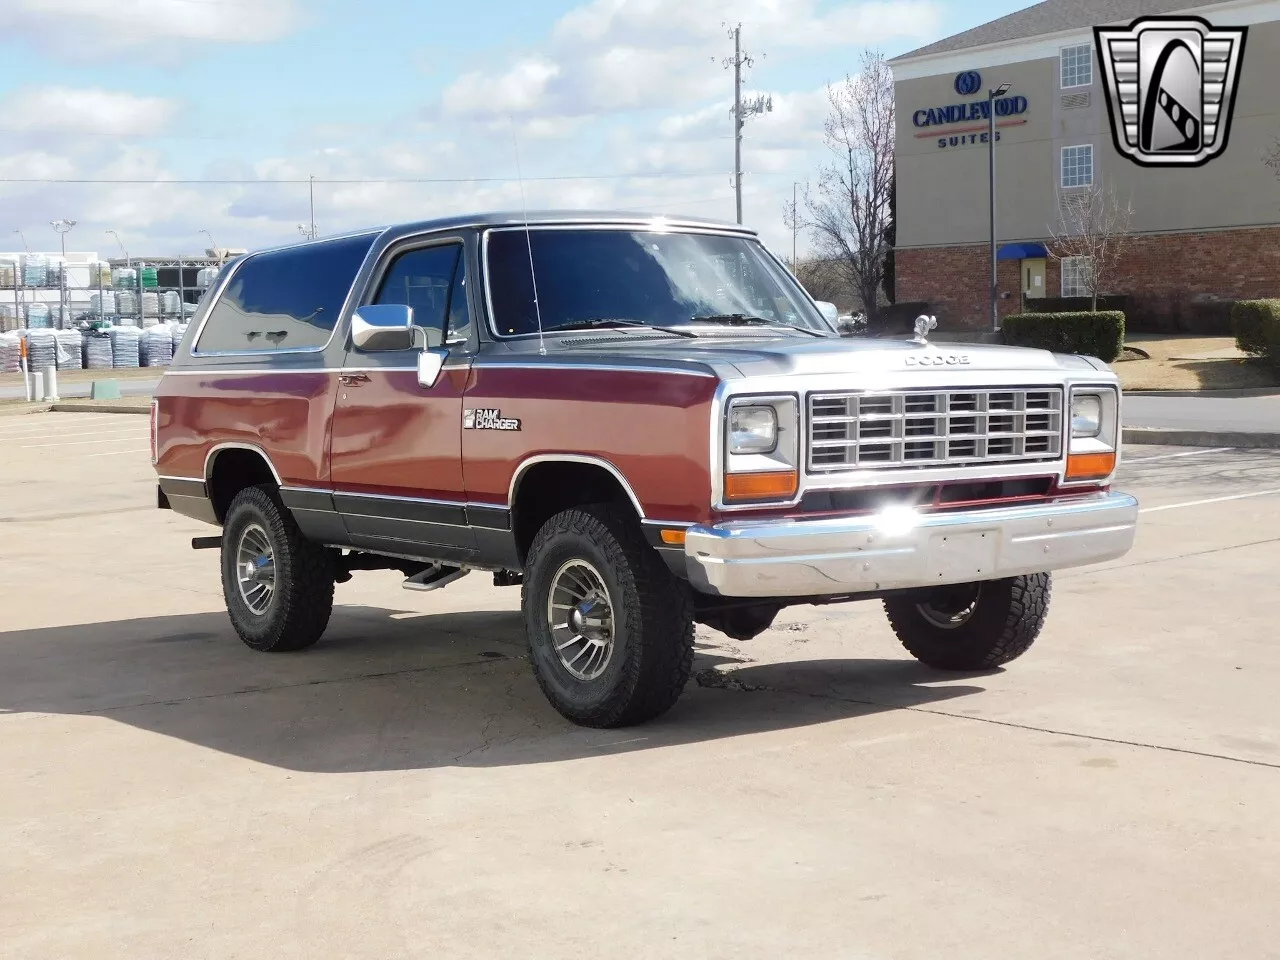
x=1256, y=324
x=1098, y=334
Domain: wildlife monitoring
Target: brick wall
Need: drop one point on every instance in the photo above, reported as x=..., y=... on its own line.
x=1164, y=276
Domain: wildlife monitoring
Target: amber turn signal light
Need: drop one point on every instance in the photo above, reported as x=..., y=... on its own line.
x=768, y=485
x=1090, y=466
x=673, y=538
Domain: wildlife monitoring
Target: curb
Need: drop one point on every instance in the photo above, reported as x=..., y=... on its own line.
x=1175, y=437
x=97, y=408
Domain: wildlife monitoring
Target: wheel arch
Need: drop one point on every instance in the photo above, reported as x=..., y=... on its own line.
x=546, y=484
x=232, y=466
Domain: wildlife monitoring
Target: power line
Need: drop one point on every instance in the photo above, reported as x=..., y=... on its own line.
x=230, y=181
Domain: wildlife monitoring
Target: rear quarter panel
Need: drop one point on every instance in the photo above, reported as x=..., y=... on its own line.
x=286, y=413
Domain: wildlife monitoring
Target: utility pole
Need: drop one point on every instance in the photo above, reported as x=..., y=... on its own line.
x=742, y=111
x=991, y=197
x=312, y=191
x=794, y=220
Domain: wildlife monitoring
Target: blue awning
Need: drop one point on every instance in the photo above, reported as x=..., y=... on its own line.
x=1022, y=251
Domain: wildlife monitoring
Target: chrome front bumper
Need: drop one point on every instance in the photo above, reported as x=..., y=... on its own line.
x=900, y=549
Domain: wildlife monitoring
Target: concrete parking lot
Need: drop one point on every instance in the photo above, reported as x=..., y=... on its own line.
x=403, y=790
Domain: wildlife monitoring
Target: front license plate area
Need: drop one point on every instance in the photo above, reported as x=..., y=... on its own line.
x=960, y=557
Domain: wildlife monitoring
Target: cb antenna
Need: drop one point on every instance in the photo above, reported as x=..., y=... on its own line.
x=524, y=209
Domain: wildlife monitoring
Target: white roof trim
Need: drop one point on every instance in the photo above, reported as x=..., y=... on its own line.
x=1044, y=46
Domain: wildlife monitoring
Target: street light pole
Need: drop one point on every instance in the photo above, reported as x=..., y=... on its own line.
x=62, y=227
x=999, y=91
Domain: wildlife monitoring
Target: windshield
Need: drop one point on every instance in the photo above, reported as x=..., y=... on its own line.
x=649, y=277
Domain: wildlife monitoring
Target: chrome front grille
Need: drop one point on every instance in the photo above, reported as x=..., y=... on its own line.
x=925, y=428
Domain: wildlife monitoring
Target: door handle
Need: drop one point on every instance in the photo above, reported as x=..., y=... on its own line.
x=352, y=379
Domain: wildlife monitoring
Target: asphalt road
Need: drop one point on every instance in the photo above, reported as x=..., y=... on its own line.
x=403, y=790
x=1247, y=414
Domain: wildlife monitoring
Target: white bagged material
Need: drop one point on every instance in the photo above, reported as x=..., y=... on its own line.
x=10, y=352
x=124, y=346
x=97, y=351
x=42, y=348
x=157, y=346
x=171, y=303
x=37, y=315
x=70, y=349
x=35, y=270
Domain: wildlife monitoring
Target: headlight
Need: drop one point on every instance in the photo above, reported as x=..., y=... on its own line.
x=1086, y=415
x=753, y=430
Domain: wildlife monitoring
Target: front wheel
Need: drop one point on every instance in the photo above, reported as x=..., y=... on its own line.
x=972, y=626
x=610, y=628
x=277, y=584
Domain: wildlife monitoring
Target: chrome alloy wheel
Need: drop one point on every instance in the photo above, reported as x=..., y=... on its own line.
x=256, y=569
x=581, y=619
x=951, y=609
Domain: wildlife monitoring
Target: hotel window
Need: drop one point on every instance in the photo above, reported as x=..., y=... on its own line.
x=1075, y=276
x=1077, y=166
x=1077, y=66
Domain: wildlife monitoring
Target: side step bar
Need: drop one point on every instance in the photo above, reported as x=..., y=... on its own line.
x=206, y=543
x=435, y=576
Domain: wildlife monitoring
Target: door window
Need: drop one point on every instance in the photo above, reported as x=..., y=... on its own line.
x=432, y=281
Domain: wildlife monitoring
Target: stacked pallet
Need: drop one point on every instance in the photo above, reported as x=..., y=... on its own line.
x=124, y=346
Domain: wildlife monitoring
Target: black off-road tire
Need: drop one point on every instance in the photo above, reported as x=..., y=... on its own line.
x=653, y=620
x=302, y=602
x=1004, y=623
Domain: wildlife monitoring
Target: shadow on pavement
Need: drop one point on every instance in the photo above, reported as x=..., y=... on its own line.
x=391, y=691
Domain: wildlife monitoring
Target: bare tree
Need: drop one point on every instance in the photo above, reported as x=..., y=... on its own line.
x=1094, y=226
x=1272, y=159
x=824, y=281
x=849, y=212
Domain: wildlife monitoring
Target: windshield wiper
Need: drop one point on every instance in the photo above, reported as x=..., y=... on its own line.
x=600, y=323
x=745, y=320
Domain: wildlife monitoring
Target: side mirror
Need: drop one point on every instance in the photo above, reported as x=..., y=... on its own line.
x=430, y=363
x=382, y=326
x=829, y=310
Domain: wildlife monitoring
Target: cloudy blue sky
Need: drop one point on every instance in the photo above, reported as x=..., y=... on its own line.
x=628, y=93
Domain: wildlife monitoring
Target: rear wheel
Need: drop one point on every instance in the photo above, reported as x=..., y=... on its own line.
x=972, y=626
x=277, y=584
x=609, y=627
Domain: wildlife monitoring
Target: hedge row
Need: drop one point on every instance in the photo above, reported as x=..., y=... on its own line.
x=1257, y=327
x=1098, y=334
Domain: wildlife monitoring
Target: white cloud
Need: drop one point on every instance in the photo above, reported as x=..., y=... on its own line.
x=106, y=28
x=34, y=110
x=518, y=90
x=612, y=55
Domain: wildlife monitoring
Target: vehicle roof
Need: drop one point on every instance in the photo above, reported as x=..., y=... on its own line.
x=534, y=218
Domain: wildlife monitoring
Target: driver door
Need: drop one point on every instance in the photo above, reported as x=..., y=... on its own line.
x=396, y=456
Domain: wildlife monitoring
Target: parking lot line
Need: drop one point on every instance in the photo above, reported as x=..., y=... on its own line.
x=141, y=452
x=74, y=443
x=63, y=436
x=1201, y=503
x=44, y=426
x=1176, y=456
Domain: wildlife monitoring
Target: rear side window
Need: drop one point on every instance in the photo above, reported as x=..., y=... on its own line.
x=285, y=300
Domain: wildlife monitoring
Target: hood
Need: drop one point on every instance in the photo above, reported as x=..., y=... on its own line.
x=733, y=357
